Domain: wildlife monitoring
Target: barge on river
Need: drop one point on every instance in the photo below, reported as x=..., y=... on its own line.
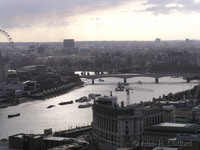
x=13, y=115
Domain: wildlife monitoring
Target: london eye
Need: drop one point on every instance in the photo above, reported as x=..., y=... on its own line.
x=3, y=32
x=7, y=48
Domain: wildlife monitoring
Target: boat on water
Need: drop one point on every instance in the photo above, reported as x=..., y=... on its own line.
x=85, y=105
x=50, y=106
x=93, y=95
x=83, y=99
x=175, y=76
x=123, y=84
x=101, y=80
x=120, y=87
x=65, y=103
x=13, y=115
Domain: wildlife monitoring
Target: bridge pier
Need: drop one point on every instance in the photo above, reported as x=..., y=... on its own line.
x=188, y=80
x=83, y=73
x=156, y=80
x=92, y=81
x=115, y=71
x=124, y=80
x=110, y=71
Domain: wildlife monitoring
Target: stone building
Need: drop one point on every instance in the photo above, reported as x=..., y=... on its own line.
x=118, y=126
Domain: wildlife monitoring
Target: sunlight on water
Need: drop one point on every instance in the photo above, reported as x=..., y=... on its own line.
x=35, y=117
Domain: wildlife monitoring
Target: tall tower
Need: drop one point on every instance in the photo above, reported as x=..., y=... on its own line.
x=68, y=44
x=198, y=59
x=2, y=69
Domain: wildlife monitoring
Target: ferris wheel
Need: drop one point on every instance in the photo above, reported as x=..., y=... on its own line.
x=7, y=51
x=8, y=37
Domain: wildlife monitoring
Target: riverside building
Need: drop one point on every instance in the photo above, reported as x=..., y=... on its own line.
x=180, y=135
x=119, y=126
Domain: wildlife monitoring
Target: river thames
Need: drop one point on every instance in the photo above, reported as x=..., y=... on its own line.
x=35, y=117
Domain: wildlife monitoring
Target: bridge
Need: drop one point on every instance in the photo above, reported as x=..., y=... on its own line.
x=186, y=76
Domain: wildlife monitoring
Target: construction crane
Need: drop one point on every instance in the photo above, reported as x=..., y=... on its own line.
x=128, y=88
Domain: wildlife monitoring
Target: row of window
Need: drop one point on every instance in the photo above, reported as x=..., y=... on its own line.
x=105, y=124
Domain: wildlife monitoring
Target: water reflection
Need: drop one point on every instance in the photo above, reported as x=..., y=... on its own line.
x=35, y=117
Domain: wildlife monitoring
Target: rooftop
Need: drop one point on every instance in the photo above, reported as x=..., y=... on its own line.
x=168, y=124
x=174, y=128
x=22, y=135
x=53, y=138
x=165, y=148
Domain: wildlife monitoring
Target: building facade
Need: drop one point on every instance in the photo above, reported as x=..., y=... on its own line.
x=68, y=44
x=170, y=135
x=121, y=126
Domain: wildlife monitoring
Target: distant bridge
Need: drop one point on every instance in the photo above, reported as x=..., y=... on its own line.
x=186, y=76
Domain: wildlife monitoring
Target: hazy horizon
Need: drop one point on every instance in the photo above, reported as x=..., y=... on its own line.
x=181, y=40
x=106, y=20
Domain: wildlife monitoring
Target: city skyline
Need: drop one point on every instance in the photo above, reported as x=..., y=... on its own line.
x=144, y=20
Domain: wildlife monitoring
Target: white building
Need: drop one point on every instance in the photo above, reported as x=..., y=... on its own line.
x=10, y=87
x=17, y=87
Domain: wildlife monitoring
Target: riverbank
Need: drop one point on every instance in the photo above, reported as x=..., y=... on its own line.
x=46, y=94
x=193, y=93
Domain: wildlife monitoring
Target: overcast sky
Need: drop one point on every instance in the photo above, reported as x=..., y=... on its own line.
x=84, y=20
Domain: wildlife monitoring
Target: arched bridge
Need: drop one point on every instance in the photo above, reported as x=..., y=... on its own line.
x=185, y=76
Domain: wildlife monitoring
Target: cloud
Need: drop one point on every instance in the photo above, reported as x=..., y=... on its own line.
x=57, y=13
x=26, y=13
x=166, y=6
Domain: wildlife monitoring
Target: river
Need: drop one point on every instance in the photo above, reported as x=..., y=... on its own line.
x=35, y=117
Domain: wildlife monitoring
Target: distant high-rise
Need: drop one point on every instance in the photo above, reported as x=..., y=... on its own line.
x=68, y=44
x=198, y=59
x=157, y=40
x=41, y=51
x=32, y=48
x=187, y=40
x=2, y=69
